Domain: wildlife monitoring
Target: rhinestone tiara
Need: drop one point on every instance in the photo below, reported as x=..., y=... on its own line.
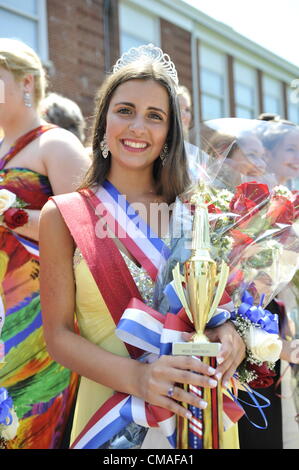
x=148, y=53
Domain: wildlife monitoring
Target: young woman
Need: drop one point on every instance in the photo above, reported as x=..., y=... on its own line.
x=37, y=160
x=138, y=159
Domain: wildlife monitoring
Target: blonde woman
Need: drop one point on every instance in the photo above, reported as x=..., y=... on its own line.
x=37, y=160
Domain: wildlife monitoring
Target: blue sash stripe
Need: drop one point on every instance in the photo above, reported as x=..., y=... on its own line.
x=140, y=331
x=107, y=433
x=137, y=220
x=27, y=242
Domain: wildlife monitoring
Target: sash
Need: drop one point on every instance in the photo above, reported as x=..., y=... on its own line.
x=29, y=245
x=125, y=223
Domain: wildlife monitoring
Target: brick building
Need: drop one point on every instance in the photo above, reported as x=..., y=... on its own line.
x=79, y=40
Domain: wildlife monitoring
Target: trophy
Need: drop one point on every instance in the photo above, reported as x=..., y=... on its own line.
x=200, y=298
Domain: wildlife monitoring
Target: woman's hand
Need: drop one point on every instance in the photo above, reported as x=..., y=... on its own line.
x=161, y=382
x=232, y=350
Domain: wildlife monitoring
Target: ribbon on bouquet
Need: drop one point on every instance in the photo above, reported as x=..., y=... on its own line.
x=6, y=405
x=149, y=330
x=256, y=314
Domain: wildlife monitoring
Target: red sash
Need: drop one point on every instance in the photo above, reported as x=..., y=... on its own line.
x=102, y=256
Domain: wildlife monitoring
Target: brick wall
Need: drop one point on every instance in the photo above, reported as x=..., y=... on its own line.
x=76, y=49
x=176, y=42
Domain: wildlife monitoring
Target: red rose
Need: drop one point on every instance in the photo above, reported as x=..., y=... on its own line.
x=14, y=217
x=241, y=242
x=264, y=376
x=247, y=198
x=235, y=279
x=280, y=211
x=295, y=201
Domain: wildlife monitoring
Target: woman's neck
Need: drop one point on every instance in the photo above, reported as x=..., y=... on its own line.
x=134, y=184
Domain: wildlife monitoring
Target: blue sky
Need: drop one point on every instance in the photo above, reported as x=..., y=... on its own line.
x=274, y=24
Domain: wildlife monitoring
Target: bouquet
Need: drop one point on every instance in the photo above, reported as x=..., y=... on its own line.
x=12, y=211
x=253, y=236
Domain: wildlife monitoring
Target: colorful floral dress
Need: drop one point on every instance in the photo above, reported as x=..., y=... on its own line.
x=42, y=390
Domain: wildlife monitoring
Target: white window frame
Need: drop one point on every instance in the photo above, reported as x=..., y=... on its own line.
x=42, y=26
x=154, y=18
x=225, y=96
x=252, y=86
x=281, y=99
x=293, y=98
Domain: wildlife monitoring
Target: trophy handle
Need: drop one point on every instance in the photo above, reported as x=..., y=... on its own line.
x=177, y=278
x=223, y=276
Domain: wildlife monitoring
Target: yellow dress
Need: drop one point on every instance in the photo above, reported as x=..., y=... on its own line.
x=96, y=325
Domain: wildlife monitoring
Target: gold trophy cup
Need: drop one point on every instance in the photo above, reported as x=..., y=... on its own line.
x=200, y=298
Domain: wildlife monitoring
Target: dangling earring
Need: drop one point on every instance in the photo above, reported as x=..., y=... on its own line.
x=104, y=147
x=164, y=154
x=27, y=99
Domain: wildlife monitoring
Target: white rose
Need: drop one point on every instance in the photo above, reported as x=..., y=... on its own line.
x=7, y=199
x=263, y=346
x=9, y=432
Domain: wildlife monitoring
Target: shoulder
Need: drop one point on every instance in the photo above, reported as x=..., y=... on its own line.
x=55, y=239
x=59, y=143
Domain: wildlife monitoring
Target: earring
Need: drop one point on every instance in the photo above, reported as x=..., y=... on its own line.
x=27, y=99
x=164, y=154
x=104, y=147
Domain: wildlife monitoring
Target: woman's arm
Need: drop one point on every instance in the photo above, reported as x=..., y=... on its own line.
x=65, y=160
x=148, y=381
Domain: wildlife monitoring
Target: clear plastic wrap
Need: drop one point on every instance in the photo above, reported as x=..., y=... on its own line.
x=246, y=170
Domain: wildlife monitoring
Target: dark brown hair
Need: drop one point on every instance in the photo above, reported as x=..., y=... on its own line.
x=172, y=178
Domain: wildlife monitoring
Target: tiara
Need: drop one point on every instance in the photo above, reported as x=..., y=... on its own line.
x=148, y=53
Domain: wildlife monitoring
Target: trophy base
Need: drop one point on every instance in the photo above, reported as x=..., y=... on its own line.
x=196, y=349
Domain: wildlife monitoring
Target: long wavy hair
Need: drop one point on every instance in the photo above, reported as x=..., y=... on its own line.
x=170, y=179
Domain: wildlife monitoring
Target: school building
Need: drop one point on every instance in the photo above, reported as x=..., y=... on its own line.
x=79, y=41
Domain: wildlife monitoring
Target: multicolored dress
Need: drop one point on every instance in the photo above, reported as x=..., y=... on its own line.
x=42, y=390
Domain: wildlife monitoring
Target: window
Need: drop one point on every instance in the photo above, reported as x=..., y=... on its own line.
x=213, y=83
x=245, y=91
x=273, y=99
x=26, y=21
x=137, y=28
x=293, y=102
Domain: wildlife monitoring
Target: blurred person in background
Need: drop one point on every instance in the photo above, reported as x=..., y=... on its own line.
x=185, y=103
x=65, y=113
x=37, y=160
x=281, y=142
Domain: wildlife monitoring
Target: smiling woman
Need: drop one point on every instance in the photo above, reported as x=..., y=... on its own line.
x=138, y=157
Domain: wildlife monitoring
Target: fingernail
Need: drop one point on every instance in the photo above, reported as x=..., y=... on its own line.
x=218, y=376
x=203, y=404
x=213, y=382
x=188, y=415
x=226, y=384
x=211, y=371
x=219, y=360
